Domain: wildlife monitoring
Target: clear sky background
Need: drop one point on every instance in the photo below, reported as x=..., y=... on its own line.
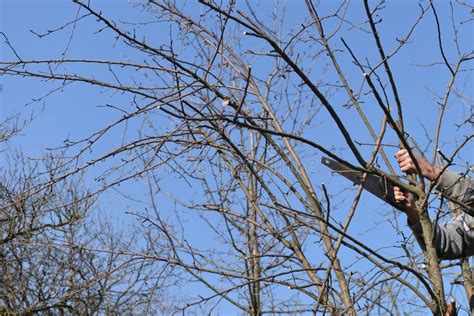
x=76, y=112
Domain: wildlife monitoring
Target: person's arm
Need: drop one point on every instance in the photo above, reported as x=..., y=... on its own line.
x=407, y=165
x=450, y=183
x=457, y=187
x=455, y=239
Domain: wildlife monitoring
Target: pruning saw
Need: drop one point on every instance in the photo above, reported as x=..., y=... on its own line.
x=379, y=186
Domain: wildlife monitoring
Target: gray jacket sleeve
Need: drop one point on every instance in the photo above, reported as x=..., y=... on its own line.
x=458, y=187
x=455, y=239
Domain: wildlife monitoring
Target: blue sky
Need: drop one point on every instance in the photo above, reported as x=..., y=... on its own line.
x=78, y=111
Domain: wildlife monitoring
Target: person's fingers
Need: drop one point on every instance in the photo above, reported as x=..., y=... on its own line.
x=407, y=166
x=400, y=158
x=404, y=161
x=405, y=156
x=399, y=200
x=398, y=194
x=400, y=153
x=407, y=161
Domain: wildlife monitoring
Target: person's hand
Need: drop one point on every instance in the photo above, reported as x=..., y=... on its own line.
x=401, y=198
x=409, y=202
x=407, y=165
